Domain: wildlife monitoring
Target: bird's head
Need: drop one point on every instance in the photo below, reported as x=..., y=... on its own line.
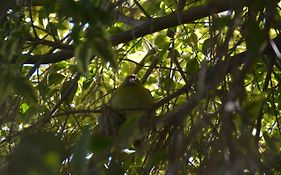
x=131, y=80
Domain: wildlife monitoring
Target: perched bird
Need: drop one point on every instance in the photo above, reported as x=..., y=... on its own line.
x=133, y=102
x=131, y=98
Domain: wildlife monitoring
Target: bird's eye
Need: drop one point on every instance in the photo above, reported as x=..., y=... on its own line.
x=132, y=80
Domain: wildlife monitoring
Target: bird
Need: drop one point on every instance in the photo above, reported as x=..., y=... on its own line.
x=132, y=96
x=133, y=102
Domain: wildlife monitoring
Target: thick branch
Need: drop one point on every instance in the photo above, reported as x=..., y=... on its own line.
x=151, y=26
x=172, y=20
x=49, y=58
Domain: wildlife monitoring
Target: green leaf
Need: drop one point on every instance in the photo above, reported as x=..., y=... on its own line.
x=53, y=29
x=23, y=86
x=101, y=45
x=28, y=112
x=155, y=158
x=59, y=66
x=39, y=153
x=100, y=143
x=12, y=82
x=152, y=7
x=192, y=66
x=166, y=82
x=103, y=48
x=68, y=90
x=254, y=105
x=69, y=8
x=273, y=143
x=192, y=40
x=49, y=6
x=10, y=49
x=206, y=47
x=55, y=78
x=162, y=42
x=254, y=36
x=83, y=54
x=222, y=22
x=24, y=107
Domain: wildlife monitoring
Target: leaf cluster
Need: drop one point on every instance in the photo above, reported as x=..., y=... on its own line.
x=213, y=67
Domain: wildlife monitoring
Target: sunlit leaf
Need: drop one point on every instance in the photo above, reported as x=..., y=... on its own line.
x=83, y=54
x=162, y=42
x=55, y=78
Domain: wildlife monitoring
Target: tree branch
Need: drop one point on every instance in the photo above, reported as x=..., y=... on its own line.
x=151, y=26
x=172, y=20
x=49, y=58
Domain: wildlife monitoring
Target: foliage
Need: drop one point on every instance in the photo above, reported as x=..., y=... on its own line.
x=213, y=67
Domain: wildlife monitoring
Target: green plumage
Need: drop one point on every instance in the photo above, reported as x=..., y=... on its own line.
x=133, y=104
x=131, y=98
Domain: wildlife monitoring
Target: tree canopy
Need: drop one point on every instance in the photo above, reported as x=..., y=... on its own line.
x=212, y=66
